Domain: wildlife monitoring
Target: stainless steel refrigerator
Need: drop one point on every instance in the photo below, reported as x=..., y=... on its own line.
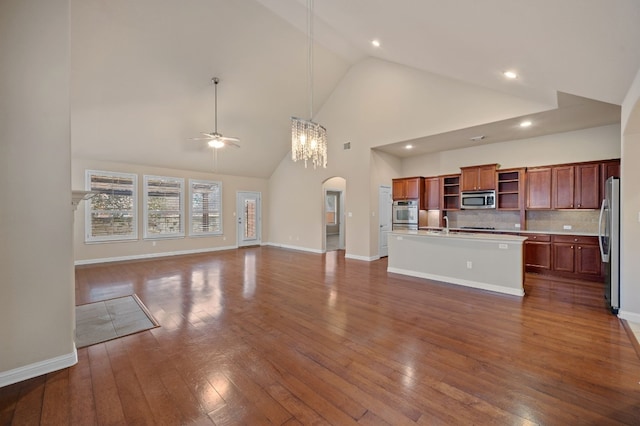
x=609, y=239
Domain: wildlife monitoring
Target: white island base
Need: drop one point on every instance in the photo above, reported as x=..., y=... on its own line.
x=491, y=262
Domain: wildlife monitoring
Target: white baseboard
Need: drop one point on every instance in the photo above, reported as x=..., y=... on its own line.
x=459, y=281
x=38, y=368
x=629, y=316
x=291, y=247
x=151, y=255
x=365, y=258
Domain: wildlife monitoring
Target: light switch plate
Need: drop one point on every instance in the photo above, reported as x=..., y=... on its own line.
x=566, y=227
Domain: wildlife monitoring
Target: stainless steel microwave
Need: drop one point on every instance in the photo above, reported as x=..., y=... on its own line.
x=478, y=200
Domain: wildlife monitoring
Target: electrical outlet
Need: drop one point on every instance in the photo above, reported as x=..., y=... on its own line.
x=566, y=227
x=517, y=225
x=469, y=264
x=503, y=246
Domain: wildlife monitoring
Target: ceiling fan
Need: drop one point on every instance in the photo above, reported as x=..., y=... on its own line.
x=215, y=139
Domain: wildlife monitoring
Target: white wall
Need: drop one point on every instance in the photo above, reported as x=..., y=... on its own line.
x=598, y=143
x=376, y=103
x=630, y=195
x=37, y=288
x=97, y=252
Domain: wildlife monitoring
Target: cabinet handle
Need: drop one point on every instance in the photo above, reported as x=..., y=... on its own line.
x=575, y=239
x=572, y=247
x=579, y=248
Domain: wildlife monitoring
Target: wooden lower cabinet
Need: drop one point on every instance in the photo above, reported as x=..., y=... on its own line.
x=537, y=253
x=569, y=256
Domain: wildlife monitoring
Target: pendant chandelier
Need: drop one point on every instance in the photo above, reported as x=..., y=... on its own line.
x=309, y=139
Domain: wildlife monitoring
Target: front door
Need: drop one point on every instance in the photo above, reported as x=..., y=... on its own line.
x=385, y=204
x=249, y=218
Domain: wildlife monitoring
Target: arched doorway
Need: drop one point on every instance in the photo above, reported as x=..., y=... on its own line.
x=333, y=223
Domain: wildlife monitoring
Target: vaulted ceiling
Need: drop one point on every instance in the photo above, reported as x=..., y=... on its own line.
x=141, y=70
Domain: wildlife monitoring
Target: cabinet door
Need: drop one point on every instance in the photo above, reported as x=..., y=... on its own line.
x=562, y=187
x=398, y=189
x=608, y=169
x=537, y=255
x=487, y=177
x=413, y=188
x=587, y=189
x=563, y=257
x=539, y=188
x=432, y=190
x=469, y=179
x=588, y=260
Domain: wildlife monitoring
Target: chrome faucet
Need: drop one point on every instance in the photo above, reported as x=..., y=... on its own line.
x=446, y=226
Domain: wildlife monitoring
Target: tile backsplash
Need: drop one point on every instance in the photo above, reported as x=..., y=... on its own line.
x=552, y=220
x=579, y=220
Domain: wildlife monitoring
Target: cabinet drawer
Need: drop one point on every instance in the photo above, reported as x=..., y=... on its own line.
x=538, y=237
x=575, y=239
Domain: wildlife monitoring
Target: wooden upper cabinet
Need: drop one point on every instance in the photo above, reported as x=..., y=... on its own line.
x=576, y=186
x=414, y=188
x=562, y=187
x=539, y=188
x=587, y=186
x=609, y=168
x=398, y=189
x=432, y=193
x=409, y=189
x=477, y=178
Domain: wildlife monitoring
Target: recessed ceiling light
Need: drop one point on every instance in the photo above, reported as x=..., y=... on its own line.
x=510, y=74
x=525, y=123
x=375, y=43
x=408, y=146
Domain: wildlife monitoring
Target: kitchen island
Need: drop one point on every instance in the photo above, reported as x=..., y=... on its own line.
x=492, y=262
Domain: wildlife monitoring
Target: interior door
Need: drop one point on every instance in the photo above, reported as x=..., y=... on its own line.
x=249, y=218
x=385, y=204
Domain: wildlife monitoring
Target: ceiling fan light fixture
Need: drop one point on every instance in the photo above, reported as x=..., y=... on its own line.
x=214, y=139
x=215, y=143
x=309, y=139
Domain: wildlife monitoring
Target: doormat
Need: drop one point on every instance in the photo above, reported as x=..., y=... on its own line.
x=109, y=319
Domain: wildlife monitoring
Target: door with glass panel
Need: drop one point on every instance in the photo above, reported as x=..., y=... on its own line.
x=249, y=218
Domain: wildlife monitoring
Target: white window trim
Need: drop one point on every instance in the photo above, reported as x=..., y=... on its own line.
x=180, y=233
x=204, y=234
x=88, y=238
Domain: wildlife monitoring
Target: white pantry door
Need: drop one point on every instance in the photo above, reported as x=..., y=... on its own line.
x=385, y=204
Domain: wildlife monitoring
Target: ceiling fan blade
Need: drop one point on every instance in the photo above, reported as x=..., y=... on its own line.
x=231, y=142
x=229, y=138
x=201, y=139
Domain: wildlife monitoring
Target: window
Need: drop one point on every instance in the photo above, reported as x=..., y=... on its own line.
x=163, y=205
x=205, y=208
x=330, y=209
x=111, y=214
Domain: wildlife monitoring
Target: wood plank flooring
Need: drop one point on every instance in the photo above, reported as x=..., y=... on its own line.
x=271, y=336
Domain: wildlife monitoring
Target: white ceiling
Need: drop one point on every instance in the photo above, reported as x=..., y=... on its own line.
x=141, y=70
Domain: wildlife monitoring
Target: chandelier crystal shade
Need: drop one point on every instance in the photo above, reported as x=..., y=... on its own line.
x=309, y=139
x=308, y=142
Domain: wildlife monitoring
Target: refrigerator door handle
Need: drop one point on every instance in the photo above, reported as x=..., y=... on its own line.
x=603, y=255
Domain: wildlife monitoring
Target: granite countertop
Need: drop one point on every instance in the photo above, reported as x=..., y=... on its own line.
x=461, y=234
x=515, y=231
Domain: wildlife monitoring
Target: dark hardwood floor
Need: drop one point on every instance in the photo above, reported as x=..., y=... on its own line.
x=271, y=336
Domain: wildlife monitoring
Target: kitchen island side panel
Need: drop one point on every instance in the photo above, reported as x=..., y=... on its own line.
x=494, y=264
